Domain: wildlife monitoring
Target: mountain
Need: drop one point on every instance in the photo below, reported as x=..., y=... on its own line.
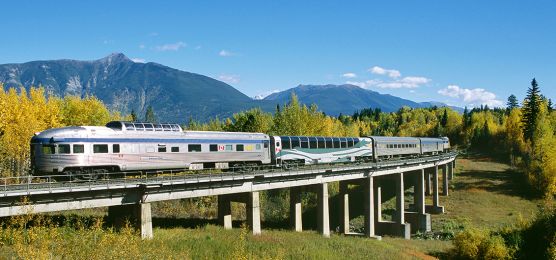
x=345, y=99
x=124, y=85
x=175, y=95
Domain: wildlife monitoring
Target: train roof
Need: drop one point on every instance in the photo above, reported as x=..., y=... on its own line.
x=394, y=139
x=143, y=126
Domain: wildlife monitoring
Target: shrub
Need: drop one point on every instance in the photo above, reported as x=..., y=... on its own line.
x=475, y=243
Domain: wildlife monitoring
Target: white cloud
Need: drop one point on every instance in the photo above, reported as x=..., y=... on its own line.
x=230, y=79
x=349, y=75
x=142, y=46
x=171, y=46
x=406, y=82
x=225, y=53
x=198, y=47
x=138, y=60
x=382, y=71
x=153, y=34
x=365, y=84
x=473, y=97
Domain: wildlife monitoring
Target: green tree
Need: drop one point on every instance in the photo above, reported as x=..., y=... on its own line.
x=531, y=108
x=512, y=102
x=133, y=115
x=149, y=115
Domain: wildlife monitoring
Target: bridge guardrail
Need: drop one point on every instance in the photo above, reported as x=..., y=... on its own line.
x=26, y=185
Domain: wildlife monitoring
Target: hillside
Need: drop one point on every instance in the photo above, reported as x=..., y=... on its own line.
x=125, y=85
x=345, y=99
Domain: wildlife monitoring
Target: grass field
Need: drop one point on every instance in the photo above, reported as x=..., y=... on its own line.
x=483, y=194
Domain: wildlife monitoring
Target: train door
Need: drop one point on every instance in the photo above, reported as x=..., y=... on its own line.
x=275, y=148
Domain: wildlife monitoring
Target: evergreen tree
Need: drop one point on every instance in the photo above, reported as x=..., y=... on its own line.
x=149, y=115
x=444, y=120
x=133, y=115
x=550, y=106
x=465, y=117
x=531, y=108
x=512, y=102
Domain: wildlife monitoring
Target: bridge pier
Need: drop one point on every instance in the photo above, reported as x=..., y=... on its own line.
x=419, y=220
x=445, y=179
x=397, y=227
x=451, y=169
x=296, y=220
x=344, y=207
x=435, y=208
x=427, y=183
x=252, y=207
x=370, y=216
x=323, y=224
x=138, y=215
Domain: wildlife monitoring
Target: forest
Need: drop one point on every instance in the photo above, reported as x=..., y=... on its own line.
x=521, y=134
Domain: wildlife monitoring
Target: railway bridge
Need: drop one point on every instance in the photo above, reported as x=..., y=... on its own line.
x=131, y=197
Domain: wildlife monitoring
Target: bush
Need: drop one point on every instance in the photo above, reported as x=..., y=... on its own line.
x=475, y=243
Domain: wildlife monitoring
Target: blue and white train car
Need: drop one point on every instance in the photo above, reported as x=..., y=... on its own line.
x=314, y=150
x=126, y=146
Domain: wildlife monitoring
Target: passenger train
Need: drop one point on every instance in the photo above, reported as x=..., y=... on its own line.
x=133, y=147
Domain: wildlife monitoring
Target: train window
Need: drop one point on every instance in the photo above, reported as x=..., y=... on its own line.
x=229, y=147
x=258, y=146
x=313, y=142
x=329, y=143
x=320, y=142
x=167, y=127
x=213, y=148
x=343, y=143
x=161, y=148
x=175, y=149
x=239, y=147
x=78, y=148
x=157, y=127
x=336, y=142
x=64, y=148
x=139, y=127
x=129, y=126
x=115, y=148
x=295, y=142
x=249, y=147
x=350, y=142
x=194, y=148
x=175, y=128
x=265, y=144
x=149, y=127
x=100, y=148
x=48, y=149
x=115, y=125
x=286, y=144
x=304, y=142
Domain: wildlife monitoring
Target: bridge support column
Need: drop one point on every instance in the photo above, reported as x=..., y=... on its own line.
x=419, y=220
x=445, y=179
x=397, y=227
x=254, y=212
x=225, y=211
x=451, y=169
x=370, y=216
x=427, y=183
x=323, y=224
x=296, y=220
x=435, y=208
x=344, y=207
x=138, y=215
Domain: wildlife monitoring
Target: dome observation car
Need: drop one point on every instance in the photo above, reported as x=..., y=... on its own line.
x=143, y=126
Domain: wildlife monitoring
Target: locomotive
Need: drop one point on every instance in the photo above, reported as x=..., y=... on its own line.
x=133, y=147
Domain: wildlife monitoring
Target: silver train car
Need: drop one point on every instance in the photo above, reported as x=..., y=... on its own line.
x=125, y=146
x=129, y=146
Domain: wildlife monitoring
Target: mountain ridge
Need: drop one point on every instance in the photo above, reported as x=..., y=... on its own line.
x=177, y=96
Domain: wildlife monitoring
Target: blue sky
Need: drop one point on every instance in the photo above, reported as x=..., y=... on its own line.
x=457, y=52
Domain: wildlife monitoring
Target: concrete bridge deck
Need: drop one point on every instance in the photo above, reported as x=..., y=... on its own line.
x=131, y=197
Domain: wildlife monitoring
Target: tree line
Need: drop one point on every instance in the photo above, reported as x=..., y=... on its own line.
x=524, y=135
